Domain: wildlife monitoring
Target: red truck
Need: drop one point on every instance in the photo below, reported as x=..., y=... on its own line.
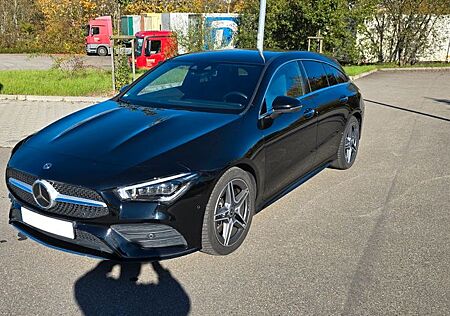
x=153, y=47
x=97, y=36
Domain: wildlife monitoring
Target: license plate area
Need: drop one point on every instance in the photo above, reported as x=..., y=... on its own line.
x=48, y=224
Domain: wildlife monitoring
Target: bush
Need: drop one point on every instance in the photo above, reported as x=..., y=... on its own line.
x=122, y=69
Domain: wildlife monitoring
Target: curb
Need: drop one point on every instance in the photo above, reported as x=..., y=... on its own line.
x=364, y=74
x=20, y=97
x=416, y=69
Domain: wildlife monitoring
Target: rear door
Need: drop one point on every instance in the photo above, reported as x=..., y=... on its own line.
x=331, y=109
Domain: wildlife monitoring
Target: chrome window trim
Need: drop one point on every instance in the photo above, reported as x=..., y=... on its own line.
x=261, y=116
x=62, y=198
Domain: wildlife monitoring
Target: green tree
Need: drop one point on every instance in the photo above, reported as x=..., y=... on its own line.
x=290, y=22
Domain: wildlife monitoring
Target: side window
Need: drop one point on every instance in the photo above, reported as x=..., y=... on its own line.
x=341, y=77
x=95, y=30
x=316, y=75
x=286, y=81
x=334, y=75
x=155, y=47
x=332, y=79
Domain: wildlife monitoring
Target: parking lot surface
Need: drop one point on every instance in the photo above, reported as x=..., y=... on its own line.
x=372, y=240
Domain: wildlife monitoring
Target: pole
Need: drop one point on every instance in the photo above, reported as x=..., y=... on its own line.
x=320, y=42
x=133, y=63
x=113, y=70
x=261, y=23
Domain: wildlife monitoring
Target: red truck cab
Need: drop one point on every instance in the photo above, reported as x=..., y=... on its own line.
x=98, y=32
x=153, y=47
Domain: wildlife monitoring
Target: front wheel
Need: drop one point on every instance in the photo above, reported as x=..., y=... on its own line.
x=102, y=51
x=229, y=212
x=348, y=147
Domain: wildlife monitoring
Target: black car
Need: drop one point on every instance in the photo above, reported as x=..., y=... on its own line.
x=184, y=157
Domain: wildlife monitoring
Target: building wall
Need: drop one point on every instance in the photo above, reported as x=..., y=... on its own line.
x=152, y=22
x=438, y=43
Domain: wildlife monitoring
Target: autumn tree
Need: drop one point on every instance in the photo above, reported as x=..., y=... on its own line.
x=64, y=21
x=20, y=22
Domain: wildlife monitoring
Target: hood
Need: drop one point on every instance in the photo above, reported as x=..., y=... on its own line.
x=120, y=137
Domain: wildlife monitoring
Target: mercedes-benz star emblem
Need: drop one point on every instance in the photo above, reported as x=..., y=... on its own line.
x=47, y=166
x=44, y=194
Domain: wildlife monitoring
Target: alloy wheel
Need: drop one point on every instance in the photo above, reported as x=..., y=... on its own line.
x=232, y=212
x=351, y=143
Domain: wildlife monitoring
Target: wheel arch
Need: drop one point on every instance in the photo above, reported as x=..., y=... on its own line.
x=248, y=167
x=358, y=116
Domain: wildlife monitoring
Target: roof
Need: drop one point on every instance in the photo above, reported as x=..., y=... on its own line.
x=154, y=33
x=252, y=56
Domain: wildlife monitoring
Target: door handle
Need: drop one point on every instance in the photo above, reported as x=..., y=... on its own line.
x=309, y=113
x=343, y=99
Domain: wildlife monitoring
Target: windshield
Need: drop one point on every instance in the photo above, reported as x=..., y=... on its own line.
x=203, y=85
x=138, y=42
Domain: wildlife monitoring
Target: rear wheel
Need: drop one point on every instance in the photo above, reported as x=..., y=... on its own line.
x=229, y=212
x=102, y=51
x=348, y=147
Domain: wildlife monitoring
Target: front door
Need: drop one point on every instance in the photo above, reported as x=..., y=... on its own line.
x=290, y=140
x=153, y=53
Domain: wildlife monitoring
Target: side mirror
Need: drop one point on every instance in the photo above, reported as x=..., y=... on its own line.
x=284, y=104
x=125, y=87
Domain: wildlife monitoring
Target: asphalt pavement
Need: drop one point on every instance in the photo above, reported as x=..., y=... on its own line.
x=42, y=62
x=372, y=240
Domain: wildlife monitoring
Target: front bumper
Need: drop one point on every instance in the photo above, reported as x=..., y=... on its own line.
x=91, y=48
x=124, y=242
x=130, y=230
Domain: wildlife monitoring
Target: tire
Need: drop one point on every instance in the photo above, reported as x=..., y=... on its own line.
x=102, y=51
x=349, y=141
x=220, y=215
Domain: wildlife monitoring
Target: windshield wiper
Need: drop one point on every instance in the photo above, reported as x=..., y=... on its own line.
x=123, y=101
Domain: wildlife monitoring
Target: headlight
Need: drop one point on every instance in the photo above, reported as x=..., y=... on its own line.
x=159, y=190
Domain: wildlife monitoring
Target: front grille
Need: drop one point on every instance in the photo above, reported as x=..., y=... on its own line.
x=19, y=175
x=60, y=208
x=72, y=190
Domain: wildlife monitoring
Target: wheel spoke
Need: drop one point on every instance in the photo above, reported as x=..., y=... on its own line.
x=240, y=198
x=226, y=233
x=221, y=214
x=349, y=155
x=239, y=221
x=229, y=195
x=348, y=142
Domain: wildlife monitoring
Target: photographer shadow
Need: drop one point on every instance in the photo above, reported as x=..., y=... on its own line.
x=98, y=293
